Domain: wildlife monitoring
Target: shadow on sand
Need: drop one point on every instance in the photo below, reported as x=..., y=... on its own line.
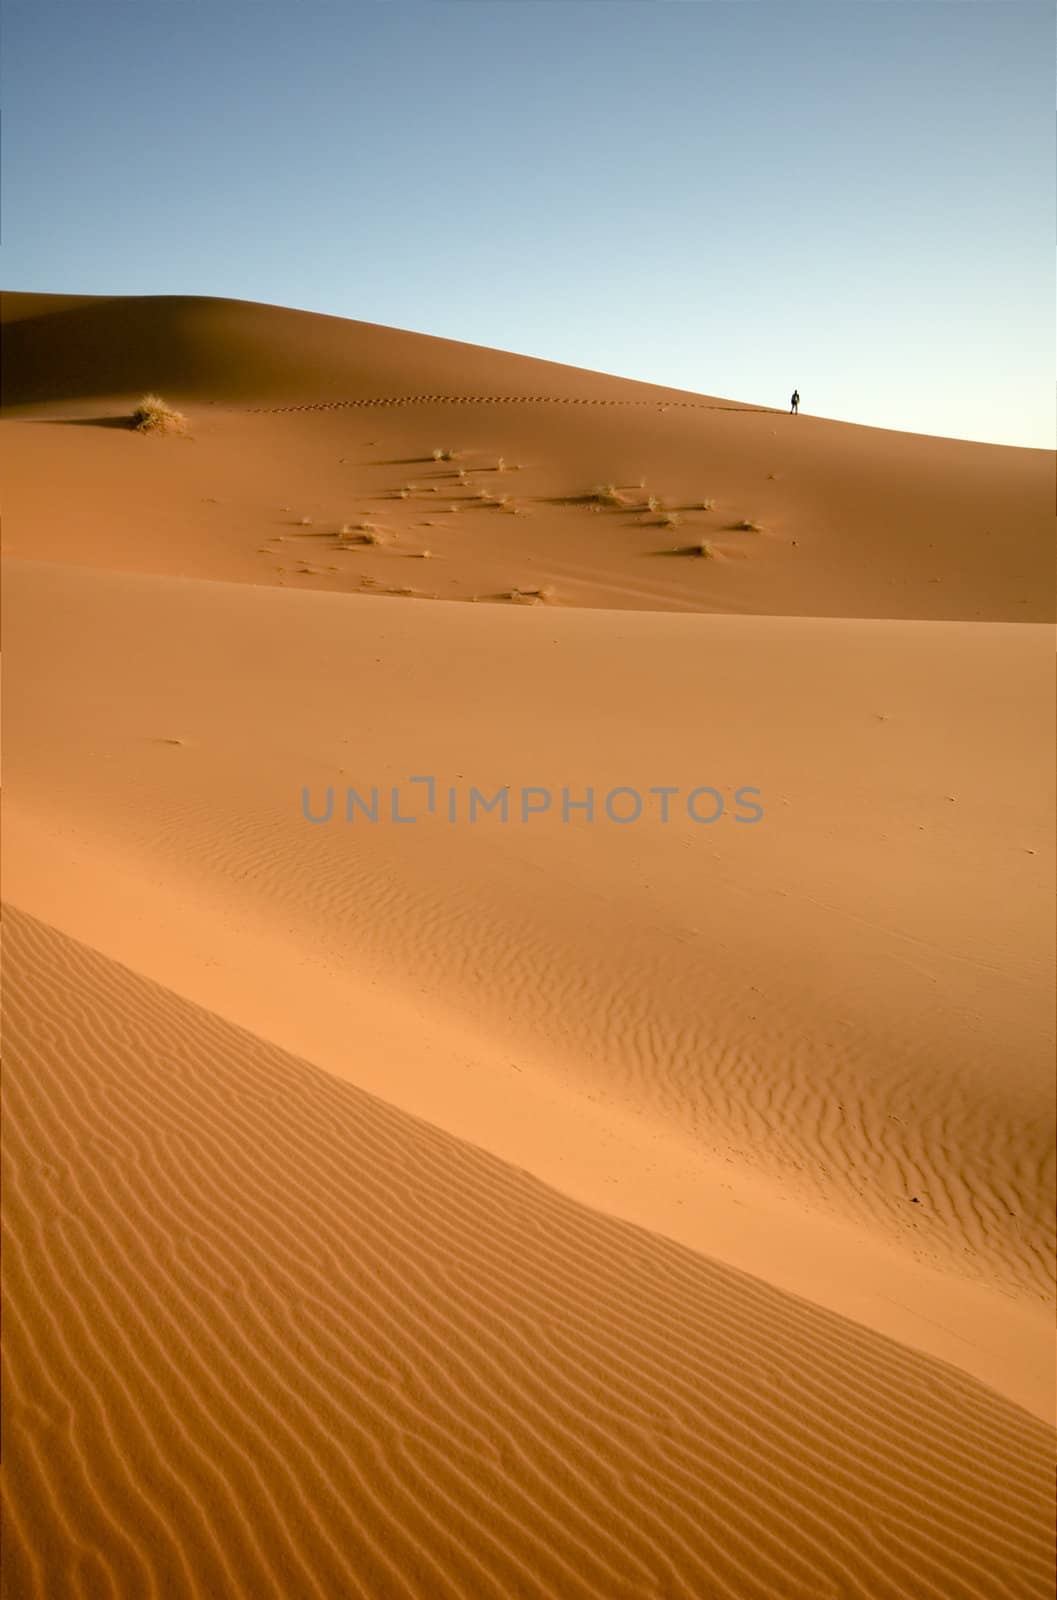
x=86, y=422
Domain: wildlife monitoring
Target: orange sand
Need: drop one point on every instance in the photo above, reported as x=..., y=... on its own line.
x=543, y=1208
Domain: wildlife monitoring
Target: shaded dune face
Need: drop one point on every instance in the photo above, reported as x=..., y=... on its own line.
x=267, y=1336
x=60, y=347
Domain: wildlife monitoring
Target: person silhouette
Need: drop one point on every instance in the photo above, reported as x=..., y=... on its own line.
x=794, y=404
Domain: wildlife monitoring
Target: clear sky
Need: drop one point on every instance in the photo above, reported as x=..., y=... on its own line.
x=855, y=198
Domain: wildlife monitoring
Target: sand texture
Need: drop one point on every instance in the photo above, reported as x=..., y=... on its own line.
x=559, y=1206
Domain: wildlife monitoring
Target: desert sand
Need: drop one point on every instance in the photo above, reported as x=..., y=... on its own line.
x=555, y=1206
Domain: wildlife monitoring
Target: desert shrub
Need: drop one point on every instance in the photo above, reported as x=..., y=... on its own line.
x=155, y=415
x=607, y=494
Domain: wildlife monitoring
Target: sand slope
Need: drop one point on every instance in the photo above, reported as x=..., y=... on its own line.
x=546, y=1206
x=265, y=1335
x=849, y=1000
x=297, y=416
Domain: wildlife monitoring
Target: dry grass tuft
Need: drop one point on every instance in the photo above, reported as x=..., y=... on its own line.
x=359, y=533
x=444, y=455
x=746, y=525
x=703, y=549
x=155, y=415
x=607, y=494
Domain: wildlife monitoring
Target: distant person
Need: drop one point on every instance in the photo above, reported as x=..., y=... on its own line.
x=794, y=404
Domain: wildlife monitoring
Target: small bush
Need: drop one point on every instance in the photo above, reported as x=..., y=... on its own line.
x=607, y=494
x=443, y=455
x=708, y=505
x=746, y=525
x=155, y=415
x=360, y=533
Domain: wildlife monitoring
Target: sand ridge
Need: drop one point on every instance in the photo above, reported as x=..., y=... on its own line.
x=293, y=1331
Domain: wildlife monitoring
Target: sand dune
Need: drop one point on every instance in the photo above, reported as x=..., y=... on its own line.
x=265, y=1334
x=298, y=416
x=829, y=1000
x=532, y=1207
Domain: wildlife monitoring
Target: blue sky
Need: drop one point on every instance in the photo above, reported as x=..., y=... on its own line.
x=733, y=198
